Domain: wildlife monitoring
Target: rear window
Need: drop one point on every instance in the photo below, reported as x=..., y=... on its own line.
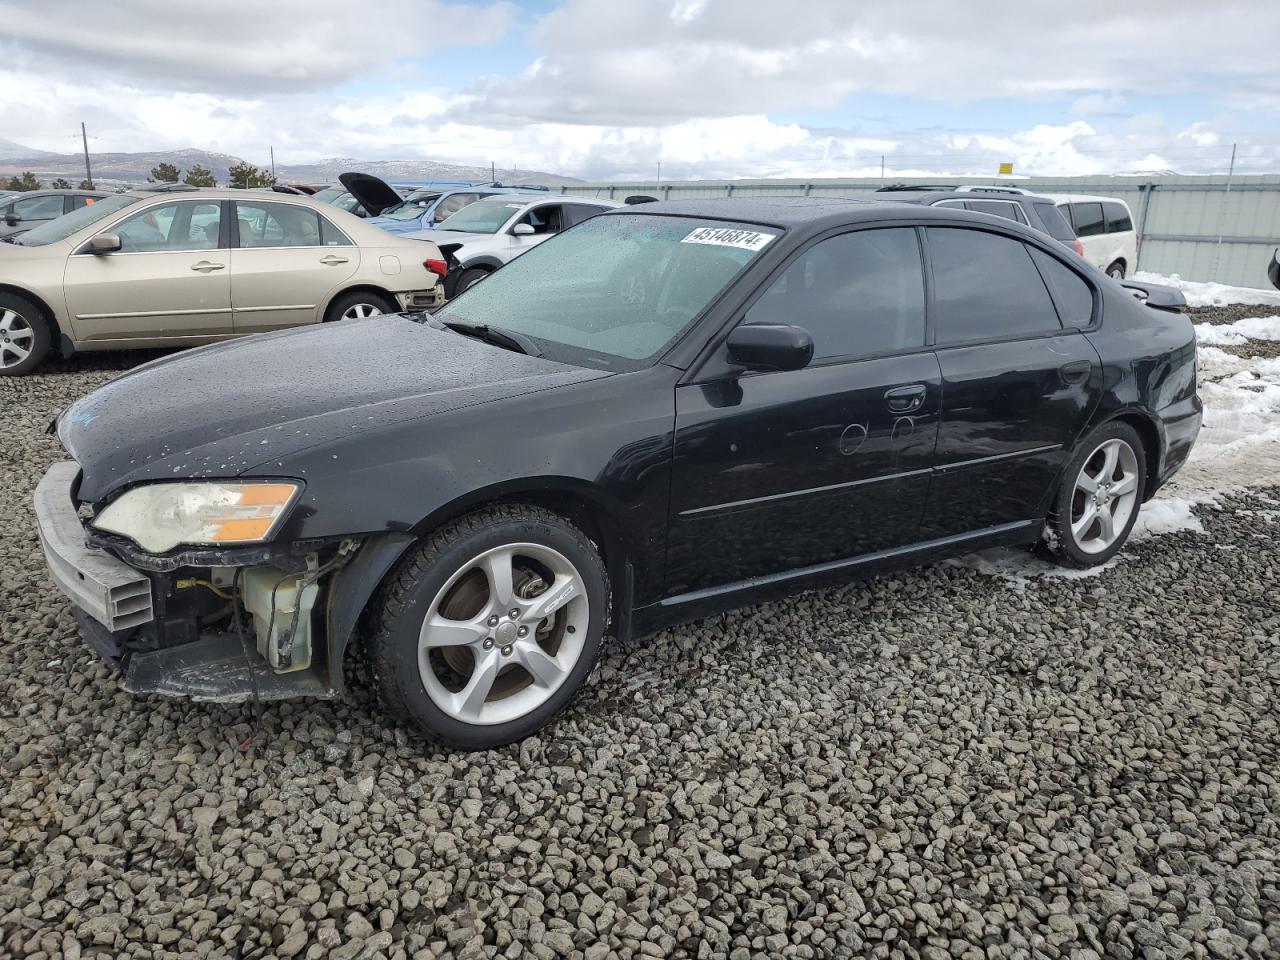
x=986, y=287
x=1087, y=217
x=1118, y=220
x=1055, y=221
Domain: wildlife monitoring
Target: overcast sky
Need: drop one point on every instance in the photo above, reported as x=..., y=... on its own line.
x=611, y=88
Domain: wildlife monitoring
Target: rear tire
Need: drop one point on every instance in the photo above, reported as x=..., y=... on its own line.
x=1098, y=498
x=1116, y=271
x=25, y=335
x=357, y=305
x=460, y=282
x=449, y=658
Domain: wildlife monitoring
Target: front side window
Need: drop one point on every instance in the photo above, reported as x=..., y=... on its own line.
x=1118, y=219
x=267, y=224
x=1088, y=219
x=858, y=295
x=544, y=219
x=180, y=225
x=986, y=287
x=39, y=208
x=616, y=291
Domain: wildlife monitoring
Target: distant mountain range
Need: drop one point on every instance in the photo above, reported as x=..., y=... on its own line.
x=133, y=168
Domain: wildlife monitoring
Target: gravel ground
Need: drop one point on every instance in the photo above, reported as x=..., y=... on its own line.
x=930, y=765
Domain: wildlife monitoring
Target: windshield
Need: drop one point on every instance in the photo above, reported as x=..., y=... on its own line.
x=482, y=217
x=411, y=209
x=615, y=291
x=329, y=194
x=76, y=220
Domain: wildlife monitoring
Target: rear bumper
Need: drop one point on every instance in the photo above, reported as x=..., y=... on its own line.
x=1181, y=424
x=111, y=592
x=414, y=301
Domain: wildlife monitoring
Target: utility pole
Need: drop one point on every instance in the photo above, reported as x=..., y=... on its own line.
x=1222, y=217
x=273, y=160
x=84, y=138
x=659, y=173
x=493, y=172
x=882, y=168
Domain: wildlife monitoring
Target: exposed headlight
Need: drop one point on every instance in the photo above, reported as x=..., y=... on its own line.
x=159, y=516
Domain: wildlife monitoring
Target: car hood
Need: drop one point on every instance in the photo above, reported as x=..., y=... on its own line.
x=374, y=194
x=222, y=410
x=15, y=252
x=455, y=239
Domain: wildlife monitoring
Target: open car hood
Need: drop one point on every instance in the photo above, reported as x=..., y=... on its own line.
x=374, y=194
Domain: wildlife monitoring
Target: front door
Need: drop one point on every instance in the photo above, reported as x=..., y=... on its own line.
x=170, y=278
x=781, y=470
x=1018, y=382
x=288, y=260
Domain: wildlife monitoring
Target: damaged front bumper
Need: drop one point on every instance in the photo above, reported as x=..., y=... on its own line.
x=212, y=625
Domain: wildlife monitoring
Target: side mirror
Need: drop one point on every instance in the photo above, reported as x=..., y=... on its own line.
x=105, y=243
x=768, y=346
x=12, y=219
x=522, y=230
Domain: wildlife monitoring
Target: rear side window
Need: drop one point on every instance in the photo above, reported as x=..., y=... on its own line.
x=1118, y=220
x=276, y=225
x=858, y=294
x=1073, y=297
x=1088, y=219
x=577, y=212
x=986, y=287
x=331, y=236
x=1056, y=222
x=998, y=208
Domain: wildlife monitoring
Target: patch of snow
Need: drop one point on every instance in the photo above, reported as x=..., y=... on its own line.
x=1238, y=333
x=1166, y=515
x=1209, y=294
x=1019, y=567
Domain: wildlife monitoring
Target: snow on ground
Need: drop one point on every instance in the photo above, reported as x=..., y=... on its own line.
x=1208, y=294
x=1239, y=333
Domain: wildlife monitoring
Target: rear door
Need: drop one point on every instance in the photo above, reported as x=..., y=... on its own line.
x=1018, y=385
x=171, y=277
x=775, y=471
x=286, y=260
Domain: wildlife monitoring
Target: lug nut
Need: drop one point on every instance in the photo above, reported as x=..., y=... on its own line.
x=506, y=650
x=488, y=643
x=515, y=614
x=493, y=620
x=522, y=632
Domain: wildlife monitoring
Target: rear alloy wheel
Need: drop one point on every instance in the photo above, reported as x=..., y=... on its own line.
x=24, y=336
x=490, y=628
x=358, y=306
x=466, y=279
x=1116, y=271
x=1099, y=499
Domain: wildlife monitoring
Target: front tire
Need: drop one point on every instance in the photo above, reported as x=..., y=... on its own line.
x=490, y=627
x=1098, y=498
x=1116, y=271
x=25, y=335
x=358, y=305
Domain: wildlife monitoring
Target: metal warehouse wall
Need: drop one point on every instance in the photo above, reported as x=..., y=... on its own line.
x=1201, y=228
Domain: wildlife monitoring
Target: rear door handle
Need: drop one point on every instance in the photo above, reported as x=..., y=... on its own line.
x=906, y=399
x=331, y=260
x=205, y=266
x=1077, y=371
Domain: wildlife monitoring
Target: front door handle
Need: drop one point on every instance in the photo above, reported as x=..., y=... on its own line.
x=331, y=260
x=907, y=399
x=205, y=266
x=1077, y=371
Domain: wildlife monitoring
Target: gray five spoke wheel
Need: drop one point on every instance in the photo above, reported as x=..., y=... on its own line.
x=17, y=338
x=1105, y=496
x=503, y=633
x=358, y=311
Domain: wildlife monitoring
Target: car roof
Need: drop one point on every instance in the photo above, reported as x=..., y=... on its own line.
x=54, y=193
x=797, y=211
x=932, y=196
x=1088, y=198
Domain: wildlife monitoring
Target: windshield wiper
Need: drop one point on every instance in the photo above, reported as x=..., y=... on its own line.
x=498, y=336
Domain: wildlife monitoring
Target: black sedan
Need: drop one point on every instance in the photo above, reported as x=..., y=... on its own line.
x=663, y=412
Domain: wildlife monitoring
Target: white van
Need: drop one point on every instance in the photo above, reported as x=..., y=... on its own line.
x=1105, y=228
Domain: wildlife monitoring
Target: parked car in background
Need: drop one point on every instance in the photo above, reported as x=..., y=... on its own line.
x=780, y=401
x=179, y=266
x=484, y=235
x=362, y=206
x=1011, y=203
x=21, y=212
x=1105, y=228
x=423, y=209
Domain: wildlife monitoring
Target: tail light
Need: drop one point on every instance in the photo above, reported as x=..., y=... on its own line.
x=439, y=267
x=1079, y=247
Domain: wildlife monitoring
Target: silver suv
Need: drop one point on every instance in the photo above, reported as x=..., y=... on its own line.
x=484, y=235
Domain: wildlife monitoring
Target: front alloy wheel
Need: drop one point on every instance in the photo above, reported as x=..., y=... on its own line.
x=490, y=626
x=1098, y=498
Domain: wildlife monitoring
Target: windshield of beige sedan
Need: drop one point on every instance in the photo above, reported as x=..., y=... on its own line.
x=77, y=220
x=614, y=291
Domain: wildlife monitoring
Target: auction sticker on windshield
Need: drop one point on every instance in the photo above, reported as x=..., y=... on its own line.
x=728, y=237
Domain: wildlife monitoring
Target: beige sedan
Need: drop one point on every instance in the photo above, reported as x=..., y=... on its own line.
x=177, y=267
